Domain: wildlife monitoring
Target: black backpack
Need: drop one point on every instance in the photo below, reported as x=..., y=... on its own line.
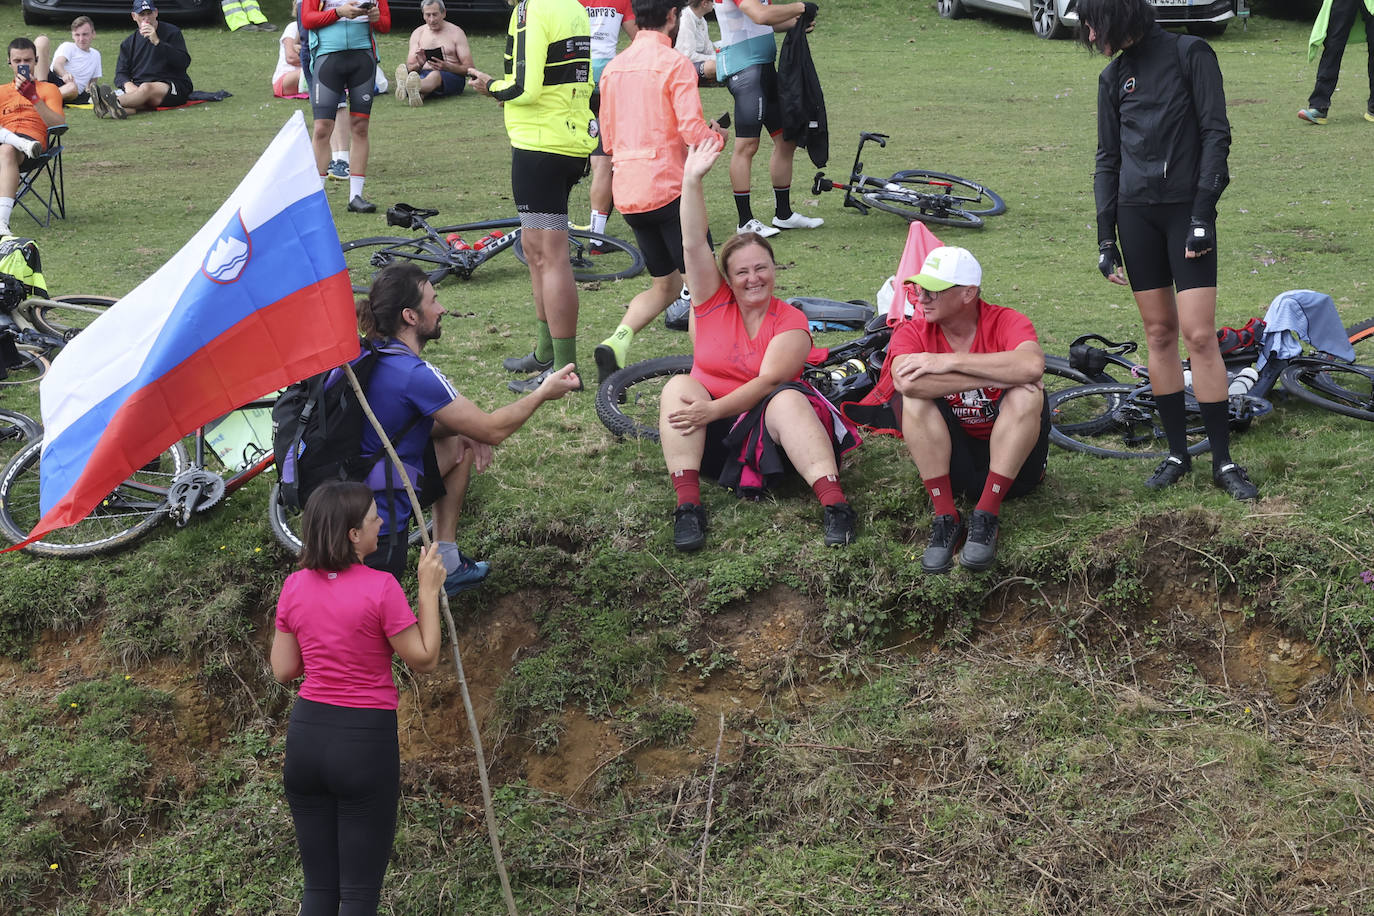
x=317, y=430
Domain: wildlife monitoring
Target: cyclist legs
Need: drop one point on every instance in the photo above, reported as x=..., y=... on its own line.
x=456, y=470
x=1159, y=314
x=649, y=304
x=1016, y=430
x=551, y=276
x=1197, y=315
x=926, y=436
x=780, y=163
x=319, y=139
x=359, y=144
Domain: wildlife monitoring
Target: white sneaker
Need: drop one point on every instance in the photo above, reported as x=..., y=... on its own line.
x=5, y=230
x=401, y=93
x=413, y=90
x=758, y=229
x=797, y=221
x=32, y=148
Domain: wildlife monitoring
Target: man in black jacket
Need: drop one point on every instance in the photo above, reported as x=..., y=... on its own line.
x=151, y=71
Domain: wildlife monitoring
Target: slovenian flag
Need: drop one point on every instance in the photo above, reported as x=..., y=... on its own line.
x=258, y=299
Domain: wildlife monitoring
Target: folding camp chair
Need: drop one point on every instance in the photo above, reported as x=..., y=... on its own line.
x=40, y=181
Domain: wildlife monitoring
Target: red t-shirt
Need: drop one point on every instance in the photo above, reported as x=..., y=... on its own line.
x=18, y=114
x=342, y=621
x=999, y=330
x=723, y=356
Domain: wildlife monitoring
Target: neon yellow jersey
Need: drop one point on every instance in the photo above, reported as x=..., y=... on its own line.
x=547, y=86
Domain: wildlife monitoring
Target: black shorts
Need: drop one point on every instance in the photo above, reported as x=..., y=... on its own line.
x=1153, y=240
x=755, y=90
x=659, y=236
x=969, y=459
x=392, y=551
x=541, y=183
x=353, y=71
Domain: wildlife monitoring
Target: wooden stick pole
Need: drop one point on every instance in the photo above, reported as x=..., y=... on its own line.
x=457, y=656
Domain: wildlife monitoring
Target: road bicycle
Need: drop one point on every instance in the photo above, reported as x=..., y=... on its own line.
x=36, y=328
x=16, y=430
x=223, y=456
x=914, y=194
x=593, y=256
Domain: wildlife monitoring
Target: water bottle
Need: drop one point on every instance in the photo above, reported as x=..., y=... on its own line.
x=1242, y=383
x=1188, y=378
x=486, y=240
x=852, y=367
x=455, y=241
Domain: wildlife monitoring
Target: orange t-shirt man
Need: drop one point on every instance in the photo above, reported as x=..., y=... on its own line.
x=18, y=114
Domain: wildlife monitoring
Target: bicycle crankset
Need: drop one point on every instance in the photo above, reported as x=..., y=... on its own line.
x=193, y=490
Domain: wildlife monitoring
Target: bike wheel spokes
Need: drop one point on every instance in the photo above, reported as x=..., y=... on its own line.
x=67, y=316
x=962, y=194
x=365, y=257
x=16, y=431
x=124, y=514
x=595, y=257
x=1115, y=421
x=1342, y=389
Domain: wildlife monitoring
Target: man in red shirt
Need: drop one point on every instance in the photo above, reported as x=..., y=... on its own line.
x=27, y=109
x=974, y=413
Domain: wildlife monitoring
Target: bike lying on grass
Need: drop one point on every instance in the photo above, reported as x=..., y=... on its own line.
x=457, y=251
x=914, y=194
x=33, y=330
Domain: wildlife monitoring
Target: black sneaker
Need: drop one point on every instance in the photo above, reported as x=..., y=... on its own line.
x=946, y=532
x=526, y=385
x=526, y=364
x=839, y=524
x=689, y=527
x=1170, y=471
x=358, y=205
x=980, y=548
x=605, y=363
x=1233, y=479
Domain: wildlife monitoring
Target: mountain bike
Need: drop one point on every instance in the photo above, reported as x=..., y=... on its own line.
x=223, y=456
x=593, y=256
x=914, y=194
x=36, y=328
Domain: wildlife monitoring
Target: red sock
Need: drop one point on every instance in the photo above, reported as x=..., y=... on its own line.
x=828, y=490
x=688, y=487
x=994, y=491
x=942, y=495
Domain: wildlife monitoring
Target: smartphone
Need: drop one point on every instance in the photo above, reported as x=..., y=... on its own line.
x=25, y=73
x=434, y=53
x=724, y=121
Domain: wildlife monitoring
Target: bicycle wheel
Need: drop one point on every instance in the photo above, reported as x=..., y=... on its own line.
x=1112, y=420
x=1347, y=390
x=67, y=316
x=32, y=366
x=364, y=257
x=16, y=430
x=134, y=506
x=1362, y=339
x=597, y=257
x=286, y=524
x=627, y=402
x=1059, y=375
x=936, y=197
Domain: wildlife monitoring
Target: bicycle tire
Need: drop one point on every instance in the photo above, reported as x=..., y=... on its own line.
x=285, y=524
x=1362, y=339
x=903, y=204
x=972, y=197
x=627, y=402
x=618, y=260
x=16, y=430
x=1117, y=420
x=67, y=316
x=365, y=257
x=1342, y=389
x=33, y=365
x=130, y=510
x=1060, y=375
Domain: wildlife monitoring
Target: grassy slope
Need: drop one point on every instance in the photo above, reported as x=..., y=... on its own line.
x=1037, y=789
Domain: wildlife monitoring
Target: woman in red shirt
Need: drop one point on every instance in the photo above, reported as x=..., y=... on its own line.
x=338, y=623
x=743, y=414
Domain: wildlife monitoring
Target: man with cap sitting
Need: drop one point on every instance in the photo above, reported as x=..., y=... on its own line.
x=151, y=71
x=974, y=413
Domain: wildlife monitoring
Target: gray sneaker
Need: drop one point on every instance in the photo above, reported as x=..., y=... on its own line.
x=946, y=531
x=338, y=169
x=980, y=548
x=527, y=363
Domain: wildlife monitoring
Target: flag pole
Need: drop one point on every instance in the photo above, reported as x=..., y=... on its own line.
x=453, y=635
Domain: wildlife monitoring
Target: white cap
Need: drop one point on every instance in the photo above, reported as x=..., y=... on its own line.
x=948, y=266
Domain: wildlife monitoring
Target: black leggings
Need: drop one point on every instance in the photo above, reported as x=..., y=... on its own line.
x=342, y=779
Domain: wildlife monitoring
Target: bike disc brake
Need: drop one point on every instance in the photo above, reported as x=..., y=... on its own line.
x=193, y=490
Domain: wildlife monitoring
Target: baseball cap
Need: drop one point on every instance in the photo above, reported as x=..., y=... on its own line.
x=948, y=266
x=141, y=5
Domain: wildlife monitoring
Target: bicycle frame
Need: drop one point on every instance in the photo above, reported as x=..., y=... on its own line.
x=857, y=179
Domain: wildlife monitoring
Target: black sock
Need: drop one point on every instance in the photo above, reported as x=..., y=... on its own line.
x=782, y=202
x=746, y=212
x=1175, y=420
x=1216, y=419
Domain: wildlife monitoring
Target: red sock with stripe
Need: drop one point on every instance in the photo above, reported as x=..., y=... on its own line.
x=942, y=495
x=828, y=490
x=994, y=491
x=687, y=485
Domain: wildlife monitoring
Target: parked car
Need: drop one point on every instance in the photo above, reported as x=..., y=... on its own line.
x=109, y=12
x=1056, y=18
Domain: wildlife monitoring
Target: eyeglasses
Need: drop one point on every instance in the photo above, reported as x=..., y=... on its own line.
x=916, y=294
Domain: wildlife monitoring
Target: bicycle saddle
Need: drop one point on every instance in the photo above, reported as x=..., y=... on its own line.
x=405, y=215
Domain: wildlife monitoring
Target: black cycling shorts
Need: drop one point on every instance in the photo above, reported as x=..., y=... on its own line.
x=658, y=233
x=541, y=183
x=969, y=458
x=755, y=90
x=1153, y=240
x=353, y=71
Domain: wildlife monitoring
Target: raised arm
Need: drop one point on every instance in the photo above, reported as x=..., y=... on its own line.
x=703, y=277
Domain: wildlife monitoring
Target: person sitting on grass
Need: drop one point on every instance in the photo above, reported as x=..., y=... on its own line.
x=76, y=63
x=151, y=69
x=974, y=413
x=742, y=413
x=439, y=59
x=27, y=109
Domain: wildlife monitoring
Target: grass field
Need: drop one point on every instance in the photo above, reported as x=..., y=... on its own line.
x=1155, y=703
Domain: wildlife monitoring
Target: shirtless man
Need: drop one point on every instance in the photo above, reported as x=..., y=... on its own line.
x=438, y=61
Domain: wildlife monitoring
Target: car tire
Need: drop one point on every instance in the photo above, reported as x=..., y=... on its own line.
x=1045, y=20
x=950, y=9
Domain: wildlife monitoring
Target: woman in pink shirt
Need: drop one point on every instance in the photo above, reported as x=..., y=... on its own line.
x=743, y=414
x=338, y=623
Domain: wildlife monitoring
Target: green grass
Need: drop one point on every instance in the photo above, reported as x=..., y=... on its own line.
x=1095, y=758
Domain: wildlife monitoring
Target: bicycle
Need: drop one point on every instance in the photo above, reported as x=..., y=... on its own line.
x=16, y=429
x=914, y=194
x=593, y=256
x=34, y=329
x=225, y=455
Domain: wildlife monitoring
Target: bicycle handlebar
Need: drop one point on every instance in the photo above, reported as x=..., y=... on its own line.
x=1121, y=348
x=820, y=184
x=880, y=139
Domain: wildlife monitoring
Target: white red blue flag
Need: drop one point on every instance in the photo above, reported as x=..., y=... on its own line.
x=258, y=299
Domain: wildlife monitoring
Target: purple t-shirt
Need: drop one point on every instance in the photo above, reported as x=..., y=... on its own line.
x=342, y=621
